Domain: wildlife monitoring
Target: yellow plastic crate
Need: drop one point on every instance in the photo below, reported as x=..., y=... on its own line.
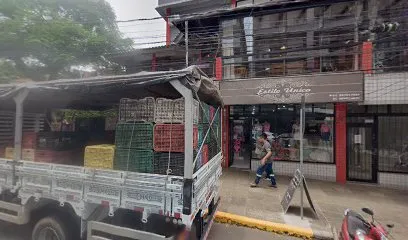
x=27, y=154
x=99, y=156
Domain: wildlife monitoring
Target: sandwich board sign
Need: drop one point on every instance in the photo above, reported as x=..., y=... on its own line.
x=294, y=184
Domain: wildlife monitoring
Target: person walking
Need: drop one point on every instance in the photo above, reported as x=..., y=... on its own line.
x=266, y=161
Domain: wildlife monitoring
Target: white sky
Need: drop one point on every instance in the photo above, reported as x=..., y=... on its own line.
x=143, y=33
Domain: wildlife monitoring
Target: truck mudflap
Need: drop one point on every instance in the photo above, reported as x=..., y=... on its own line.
x=100, y=231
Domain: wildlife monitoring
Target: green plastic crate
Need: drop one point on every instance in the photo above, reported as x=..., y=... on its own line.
x=204, y=113
x=202, y=130
x=133, y=160
x=134, y=135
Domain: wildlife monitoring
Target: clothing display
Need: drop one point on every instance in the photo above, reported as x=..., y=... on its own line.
x=325, y=132
x=296, y=131
x=266, y=126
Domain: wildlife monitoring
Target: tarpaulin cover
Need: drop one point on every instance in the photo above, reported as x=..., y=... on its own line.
x=105, y=91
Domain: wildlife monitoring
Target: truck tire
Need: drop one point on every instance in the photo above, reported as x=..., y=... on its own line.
x=51, y=228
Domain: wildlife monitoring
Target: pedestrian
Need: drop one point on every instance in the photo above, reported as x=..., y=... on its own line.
x=266, y=161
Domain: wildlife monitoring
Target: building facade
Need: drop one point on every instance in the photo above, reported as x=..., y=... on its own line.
x=348, y=58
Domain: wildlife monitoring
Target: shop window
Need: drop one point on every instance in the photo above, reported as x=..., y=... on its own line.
x=284, y=132
x=323, y=108
x=355, y=108
x=399, y=108
x=393, y=144
x=236, y=110
x=377, y=109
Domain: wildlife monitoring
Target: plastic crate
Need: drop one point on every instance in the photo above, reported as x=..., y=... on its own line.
x=204, y=113
x=137, y=109
x=134, y=160
x=170, y=137
x=172, y=111
x=26, y=154
x=99, y=156
x=134, y=135
x=204, y=154
x=202, y=130
x=29, y=140
x=213, y=115
x=50, y=156
x=176, y=164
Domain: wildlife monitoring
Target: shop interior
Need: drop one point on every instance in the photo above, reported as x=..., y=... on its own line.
x=281, y=124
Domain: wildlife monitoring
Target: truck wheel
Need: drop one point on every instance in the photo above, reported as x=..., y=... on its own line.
x=50, y=228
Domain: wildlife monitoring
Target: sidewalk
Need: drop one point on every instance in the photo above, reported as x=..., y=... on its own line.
x=330, y=199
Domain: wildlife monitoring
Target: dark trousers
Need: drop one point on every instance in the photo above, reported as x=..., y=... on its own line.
x=269, y=171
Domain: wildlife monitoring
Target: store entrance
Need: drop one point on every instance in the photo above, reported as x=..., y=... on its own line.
x=361, y=153
x=241, y=144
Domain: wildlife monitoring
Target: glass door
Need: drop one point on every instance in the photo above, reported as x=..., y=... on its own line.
x=360, y=153
x=240, y=147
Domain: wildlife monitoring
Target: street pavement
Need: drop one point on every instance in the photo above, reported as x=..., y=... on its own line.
x=330, y=200
x=225, y=231
x=218, y=231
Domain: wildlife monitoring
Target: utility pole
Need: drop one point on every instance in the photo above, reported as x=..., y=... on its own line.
x=186, y=39
x=302, y=124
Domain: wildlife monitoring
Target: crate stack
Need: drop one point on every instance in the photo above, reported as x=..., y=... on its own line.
x=134, y=135
x=28, y=144
x=134, y=147
x=169, y=135
x=214, y=144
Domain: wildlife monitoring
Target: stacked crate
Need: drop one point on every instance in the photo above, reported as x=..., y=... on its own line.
x=134, y=160
x=29, y=140
x=170, y=138
x=134, y=135
x=172, y=111
x=27, y=154
x=137, y=110
x=204, y=113
x=172, y=161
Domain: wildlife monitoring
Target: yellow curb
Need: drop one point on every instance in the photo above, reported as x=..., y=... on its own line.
x=223, y=217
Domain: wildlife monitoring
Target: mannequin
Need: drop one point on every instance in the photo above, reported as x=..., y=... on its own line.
x=266, y=126
x=325, y=132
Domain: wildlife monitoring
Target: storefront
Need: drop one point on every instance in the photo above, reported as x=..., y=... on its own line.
x=273, y=106
x=377, y=144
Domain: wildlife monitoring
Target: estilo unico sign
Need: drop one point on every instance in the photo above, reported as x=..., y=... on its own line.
x=317, y=88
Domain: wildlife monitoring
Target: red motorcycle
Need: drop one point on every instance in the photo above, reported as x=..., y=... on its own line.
x=356, y=227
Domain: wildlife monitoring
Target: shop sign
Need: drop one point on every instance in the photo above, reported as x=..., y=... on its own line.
x=335, y=87
x=294, y=184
